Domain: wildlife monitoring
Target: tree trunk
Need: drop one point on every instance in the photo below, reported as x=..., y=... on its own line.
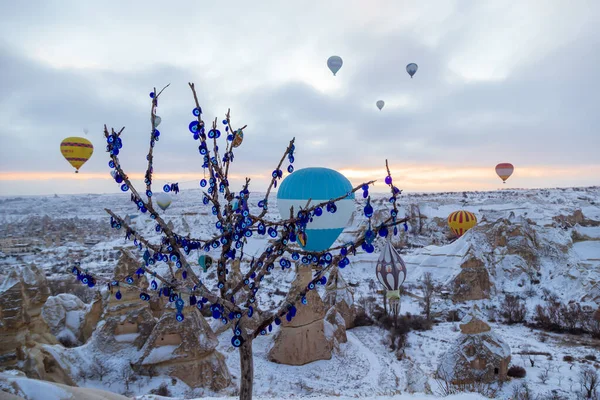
x=247, y=370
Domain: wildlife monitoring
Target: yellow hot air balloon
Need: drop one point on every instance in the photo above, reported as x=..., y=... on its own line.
x=76, y=150
x=461, y=221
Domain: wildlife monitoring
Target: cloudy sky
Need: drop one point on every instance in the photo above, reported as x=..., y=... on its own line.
x=498, y=81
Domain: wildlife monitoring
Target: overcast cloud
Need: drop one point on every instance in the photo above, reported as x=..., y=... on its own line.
x=497, y=82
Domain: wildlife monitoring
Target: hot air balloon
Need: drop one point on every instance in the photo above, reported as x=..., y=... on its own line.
x=76, y=150
x=504, y=171
x=205, y=262
x=320, y=185
x=391, y=273
x=380, y=104
x=412, y=69
x=334, y=63
x=163, y=200
x=238, y=138
x=461, y=221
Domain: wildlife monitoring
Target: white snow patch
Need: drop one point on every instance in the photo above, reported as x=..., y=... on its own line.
x=160, y=354
x=126, y=337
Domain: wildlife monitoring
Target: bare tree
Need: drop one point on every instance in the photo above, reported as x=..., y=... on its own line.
x=127, y=376
x=588, y=382
x=230, y=298
x=513, y=309
x=98, y=368
x=428, y=288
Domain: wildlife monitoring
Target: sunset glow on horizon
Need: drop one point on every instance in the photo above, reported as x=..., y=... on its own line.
x=410, y=178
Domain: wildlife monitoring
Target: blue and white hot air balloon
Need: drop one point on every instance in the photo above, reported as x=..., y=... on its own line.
x=320, y=185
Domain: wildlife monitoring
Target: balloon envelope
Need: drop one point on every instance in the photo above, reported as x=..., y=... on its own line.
x=461, y=221
x=412, y=69
x=390, y=269
x=163, y=200
x=320, y=185
x=504, y=171
x=76, y=150
x=334, y=63
x=380, y=104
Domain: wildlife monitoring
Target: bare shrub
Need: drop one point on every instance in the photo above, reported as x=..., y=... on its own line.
x=522, y=392
x=571, y=316
x=516, y=371
x=162, y=390
x=544, y=376
x=362, y=319
x=453, y=316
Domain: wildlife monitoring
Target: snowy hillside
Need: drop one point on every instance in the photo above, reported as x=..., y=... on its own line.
x=555, y=250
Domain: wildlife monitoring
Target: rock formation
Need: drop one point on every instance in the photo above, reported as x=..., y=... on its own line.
x=304, y=339
x=23, y=331
x=128, y=320
x=473, y=281
x=477, y=355
x=70, y=319
x=340, y=295
x=185, y=350
x=16, y=386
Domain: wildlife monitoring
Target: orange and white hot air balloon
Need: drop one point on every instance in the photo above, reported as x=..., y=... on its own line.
x=76, y=150
x=504, y=171
x=461, y=221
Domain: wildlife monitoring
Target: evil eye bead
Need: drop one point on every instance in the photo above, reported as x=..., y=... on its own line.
x=237, y=341
x=197, y=111
x=179, y=317
x=167, y=188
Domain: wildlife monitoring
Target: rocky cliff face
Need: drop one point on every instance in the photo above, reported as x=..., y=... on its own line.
x=186, y=350
x=23, y=331
x=309, y=336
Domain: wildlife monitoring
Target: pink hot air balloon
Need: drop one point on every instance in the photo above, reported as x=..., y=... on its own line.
x=504, y=171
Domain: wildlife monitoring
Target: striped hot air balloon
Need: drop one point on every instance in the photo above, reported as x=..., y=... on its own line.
x=391, y=273
x=76, y=150
x=504, y=171
x=461, y=221
x=320, y=185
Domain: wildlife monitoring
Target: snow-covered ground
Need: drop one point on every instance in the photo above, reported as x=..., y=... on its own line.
x=364, y=366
